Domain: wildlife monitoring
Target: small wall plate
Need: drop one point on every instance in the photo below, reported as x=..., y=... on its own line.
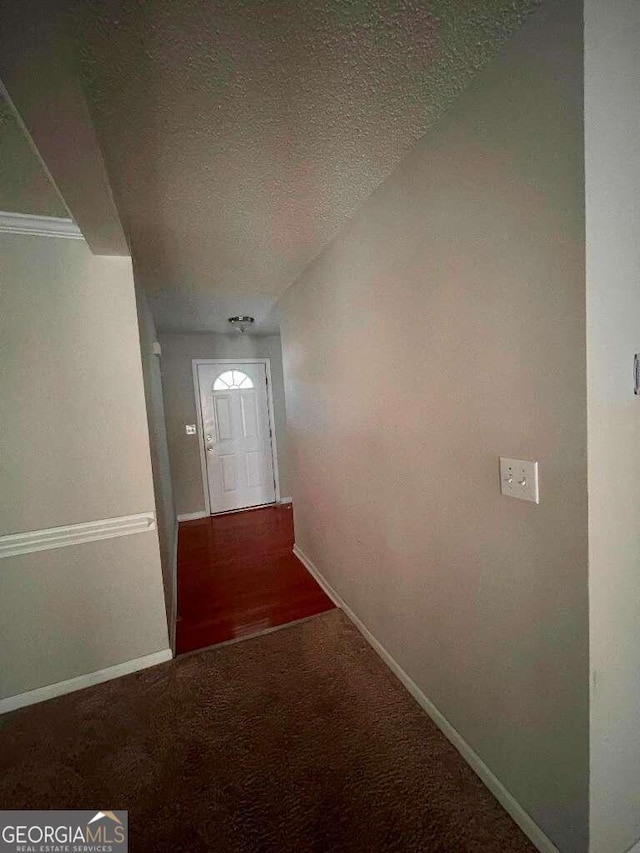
x=519, y=479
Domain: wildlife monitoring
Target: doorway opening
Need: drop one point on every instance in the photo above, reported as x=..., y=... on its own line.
x=236, y=433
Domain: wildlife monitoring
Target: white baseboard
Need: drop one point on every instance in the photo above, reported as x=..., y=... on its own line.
x=509, y=803
x=192, y=516
x=174, y=591
x=41, y=694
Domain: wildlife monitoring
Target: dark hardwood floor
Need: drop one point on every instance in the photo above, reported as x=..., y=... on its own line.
x=237, y=576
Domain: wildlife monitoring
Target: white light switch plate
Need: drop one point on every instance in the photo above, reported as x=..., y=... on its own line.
x=519, y=479
x=190, y=429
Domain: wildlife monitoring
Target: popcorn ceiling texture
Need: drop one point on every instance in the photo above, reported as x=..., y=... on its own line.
x=241, y=136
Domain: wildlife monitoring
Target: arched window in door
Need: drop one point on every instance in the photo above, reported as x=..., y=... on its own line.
x=232, y=380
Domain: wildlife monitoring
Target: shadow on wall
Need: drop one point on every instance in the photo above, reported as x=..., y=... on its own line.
x=162, y=487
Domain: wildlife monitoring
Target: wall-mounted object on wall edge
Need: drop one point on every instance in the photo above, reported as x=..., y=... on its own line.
x=636, y=373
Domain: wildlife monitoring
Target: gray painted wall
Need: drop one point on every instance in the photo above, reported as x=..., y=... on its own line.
x=612, y=131
x=75, y=447
x=180, y=409
x=160, y=465
x=24, y=185
x=443, y=328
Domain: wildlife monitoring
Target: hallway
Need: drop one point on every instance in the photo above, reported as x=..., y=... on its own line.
x=297, y=742
x=237, y=577
x=320, y=346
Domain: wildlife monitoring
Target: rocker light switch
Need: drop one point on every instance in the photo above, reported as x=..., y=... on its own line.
x=519, y=479
x=190, y=429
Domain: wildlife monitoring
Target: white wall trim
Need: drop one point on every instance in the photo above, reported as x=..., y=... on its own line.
x=41, y=694
x=174, y=591
x=39, y=226
x=272, y=429
x=192, y=516
x=509, y=803
x=75, y=534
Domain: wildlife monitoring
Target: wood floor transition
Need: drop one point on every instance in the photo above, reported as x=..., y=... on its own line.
x=237, y=576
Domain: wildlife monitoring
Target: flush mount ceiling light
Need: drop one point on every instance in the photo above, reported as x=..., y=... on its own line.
x=241, y=323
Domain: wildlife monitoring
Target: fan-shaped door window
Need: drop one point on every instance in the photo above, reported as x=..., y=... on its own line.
x=232, y=380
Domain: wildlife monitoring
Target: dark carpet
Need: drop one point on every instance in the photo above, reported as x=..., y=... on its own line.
x=301, y=740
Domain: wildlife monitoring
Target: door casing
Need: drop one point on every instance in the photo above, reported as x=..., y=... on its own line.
x=195, y=362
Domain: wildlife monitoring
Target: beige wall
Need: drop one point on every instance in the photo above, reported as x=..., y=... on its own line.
x=612, y=131
x=76, y=610
x=160, y=465
x=180, y=409
x=75, y=439
x=446, y=327
x=75, y=447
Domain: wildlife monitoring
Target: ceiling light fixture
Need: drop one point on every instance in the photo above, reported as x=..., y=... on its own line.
x=241, y=323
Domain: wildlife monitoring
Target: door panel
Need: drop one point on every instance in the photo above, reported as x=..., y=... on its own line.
x=237, y=435
x=228, y=468
x=254, y=466
x=249, y=414
x=222, y=404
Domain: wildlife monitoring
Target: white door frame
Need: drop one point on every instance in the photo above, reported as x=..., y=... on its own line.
x=195, y=362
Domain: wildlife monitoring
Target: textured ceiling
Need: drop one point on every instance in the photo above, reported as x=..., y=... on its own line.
x=240, y=136
x=24, y=185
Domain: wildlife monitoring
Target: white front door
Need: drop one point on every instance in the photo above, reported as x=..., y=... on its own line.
x=237, y=435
